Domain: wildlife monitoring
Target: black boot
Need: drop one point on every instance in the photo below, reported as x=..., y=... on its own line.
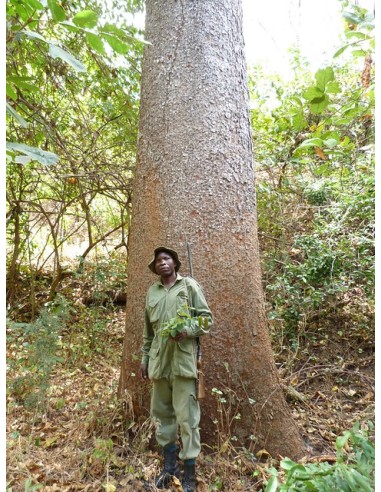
x=170, y=469
x=189, y=480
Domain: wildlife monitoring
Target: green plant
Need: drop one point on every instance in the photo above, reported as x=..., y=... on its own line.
x=88, y=336
x=38, y=345
x=352, y=472
x=103, y=278
x=182, y=320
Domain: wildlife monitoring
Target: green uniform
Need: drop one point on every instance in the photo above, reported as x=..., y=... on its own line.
x=172, y=366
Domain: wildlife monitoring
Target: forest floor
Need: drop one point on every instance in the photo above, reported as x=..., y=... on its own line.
x=79, y=442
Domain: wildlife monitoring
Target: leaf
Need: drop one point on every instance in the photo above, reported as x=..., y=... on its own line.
x=23, y=159
x=311, y=142
x=272, y=485
x=35, y=4
x=342, y=440
x=287, y=464
x=262, y=454
x=57, y=11
x=95, y=42
x=312, y=93
x=358, y=53
x=42, y=156
x=34, y=35
x=70, y=26
x=358, y=35
x=333, y=87
x=352, y=18
x=323, y=76
x=20, y=82
x=10, y=92
x=320, y=153
x=318, y=105
x=86, y=18
x=116, y=44
x=16, y=115
x=331, y=143
x=340, y=50
x=57, y=52
x=176, y=484
x=109, y=487
x=50, y=441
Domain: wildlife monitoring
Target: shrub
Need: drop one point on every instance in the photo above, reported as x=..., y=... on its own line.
x=38, y=345
x=352, y=472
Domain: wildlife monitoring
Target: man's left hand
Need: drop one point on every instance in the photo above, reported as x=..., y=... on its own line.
x=180, y=336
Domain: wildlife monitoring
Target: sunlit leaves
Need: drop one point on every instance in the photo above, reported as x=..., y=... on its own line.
x=57, y=11
x=318, y=95
x=16, y=115
x=86, y=18
x=95, y=42
x=323, y=76
x=116, y=44
x=57, y=52
x=32, y=153
x=33, y=35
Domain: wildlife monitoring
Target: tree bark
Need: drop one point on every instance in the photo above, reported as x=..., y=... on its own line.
x=195, y=182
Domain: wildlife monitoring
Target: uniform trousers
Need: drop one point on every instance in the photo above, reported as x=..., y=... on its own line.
x=174, y=404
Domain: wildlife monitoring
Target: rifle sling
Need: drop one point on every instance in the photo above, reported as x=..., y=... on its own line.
x=191, y=306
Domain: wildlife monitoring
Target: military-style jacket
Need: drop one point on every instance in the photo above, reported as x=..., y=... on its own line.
x=165, y=357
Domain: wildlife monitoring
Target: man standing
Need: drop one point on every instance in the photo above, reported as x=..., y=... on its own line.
x=171, y=364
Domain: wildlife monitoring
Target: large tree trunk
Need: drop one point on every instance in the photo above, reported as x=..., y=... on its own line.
x=195, y=182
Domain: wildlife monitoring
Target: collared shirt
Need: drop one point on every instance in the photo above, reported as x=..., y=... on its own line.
x=165, y=357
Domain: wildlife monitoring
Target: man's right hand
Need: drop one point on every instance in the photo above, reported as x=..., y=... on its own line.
x=144, y=371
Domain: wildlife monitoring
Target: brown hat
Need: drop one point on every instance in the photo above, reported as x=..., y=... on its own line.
x=171, y=252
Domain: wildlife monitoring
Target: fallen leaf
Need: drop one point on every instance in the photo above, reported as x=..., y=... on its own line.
x=320, y=153
x=263, y=453
x=109, y=487
x=50, y=441
x=177, y=484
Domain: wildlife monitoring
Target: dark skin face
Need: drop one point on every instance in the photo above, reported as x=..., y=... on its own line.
x=165, y=266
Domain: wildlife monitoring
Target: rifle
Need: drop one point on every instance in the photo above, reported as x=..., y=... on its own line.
x=200, y=374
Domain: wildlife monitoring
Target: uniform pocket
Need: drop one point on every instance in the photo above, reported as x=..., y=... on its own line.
x=154, y=352
x=194, y=412
x=154, y=363
x=185, y=358
x=182, y=300
x=154, y=312
x=188, y=345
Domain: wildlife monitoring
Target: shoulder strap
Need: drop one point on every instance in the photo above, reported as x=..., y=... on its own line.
x=191, y=306
x=189, y=292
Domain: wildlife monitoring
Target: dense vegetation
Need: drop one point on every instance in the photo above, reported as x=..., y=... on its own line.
x=72, y=102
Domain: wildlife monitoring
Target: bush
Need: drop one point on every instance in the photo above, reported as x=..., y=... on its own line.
x=38, y=345
x=352, y=472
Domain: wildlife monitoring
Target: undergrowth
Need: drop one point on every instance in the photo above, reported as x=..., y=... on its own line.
x=353, y=471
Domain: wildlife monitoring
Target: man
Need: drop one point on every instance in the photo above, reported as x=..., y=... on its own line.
x=171, y=364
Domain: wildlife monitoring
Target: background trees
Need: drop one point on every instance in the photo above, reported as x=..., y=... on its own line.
x=70, y=95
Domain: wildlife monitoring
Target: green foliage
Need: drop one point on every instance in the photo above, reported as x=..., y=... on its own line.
x=182, y=320
x=41, y=345
x=101, y=280
x=352, y=472
x=88, y=336
x=314, y=147
x=72, y=97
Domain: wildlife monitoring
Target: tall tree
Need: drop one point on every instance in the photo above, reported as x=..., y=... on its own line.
x=195, y=183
